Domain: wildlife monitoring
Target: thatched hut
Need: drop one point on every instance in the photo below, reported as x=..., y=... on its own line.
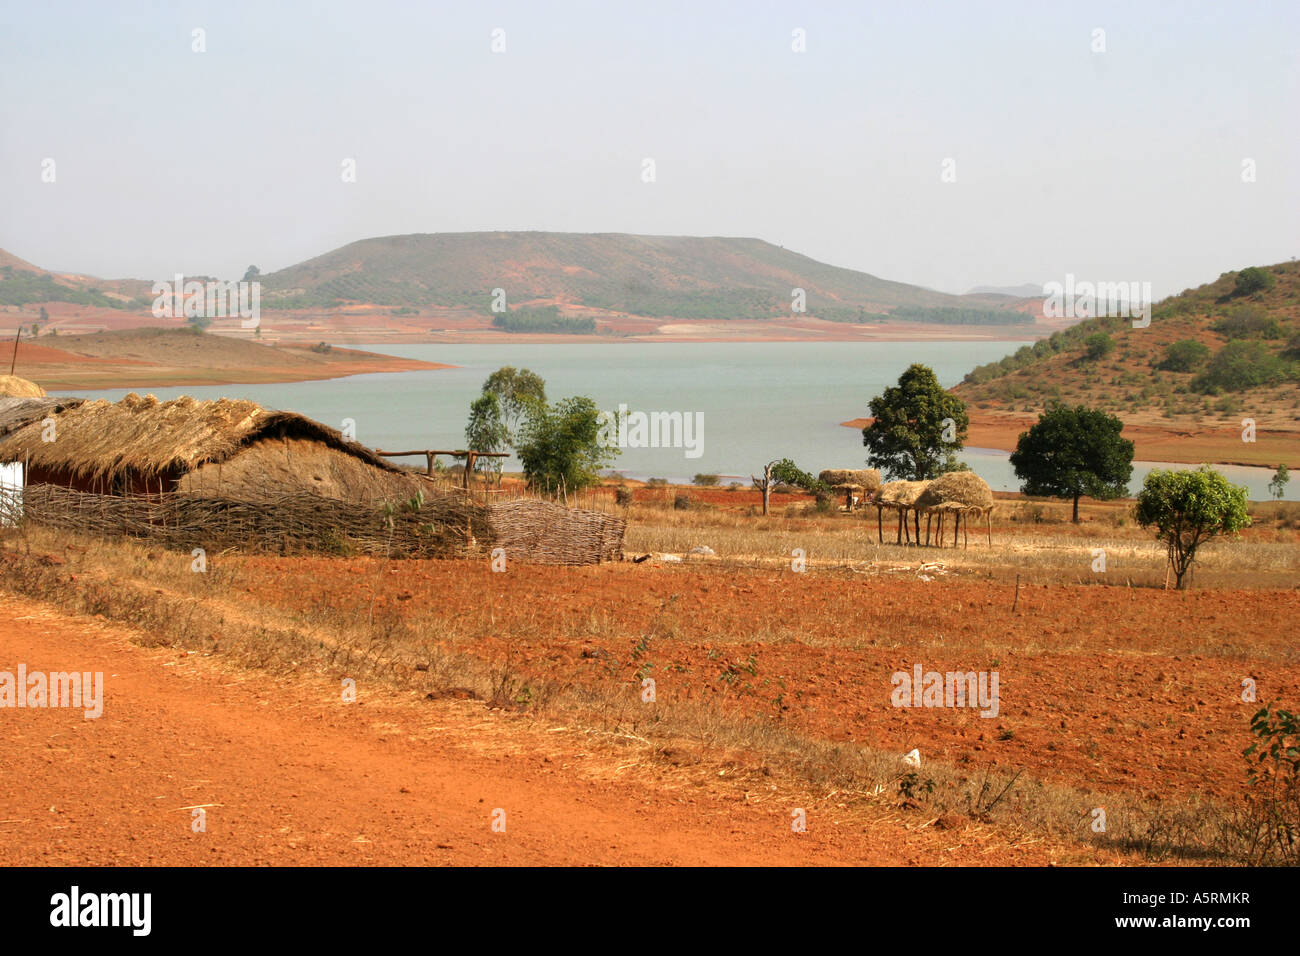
x=899, y=496
x=961, y=494
x=850, y=480
x=223, y=448
x=11, y=386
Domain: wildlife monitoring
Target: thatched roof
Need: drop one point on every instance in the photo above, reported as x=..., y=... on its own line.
x=102, y=439
x=15, y=387
x=900, y=494
x=868, y=479
x=959, y=489
x=17, y=412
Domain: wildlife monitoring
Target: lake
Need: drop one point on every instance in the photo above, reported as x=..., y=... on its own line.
x=756, y=400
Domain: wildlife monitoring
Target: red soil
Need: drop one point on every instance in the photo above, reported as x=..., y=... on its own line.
x=288, y=774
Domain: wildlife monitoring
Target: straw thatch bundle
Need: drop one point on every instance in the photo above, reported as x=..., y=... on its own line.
x=18, y=412
x=159, y=442
x=960, y=493
x=956, y=490
x=14, y=387
x=900, y=494
x=865, y=479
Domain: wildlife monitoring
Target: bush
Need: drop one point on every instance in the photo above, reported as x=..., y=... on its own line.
x=1238, y=366
x=1253, y=280
x=656, y=483
x=1248, y=323
x=1184, y=356
x=623, y=495
x=1098, y=345
x=682, y=502
x=705, y=481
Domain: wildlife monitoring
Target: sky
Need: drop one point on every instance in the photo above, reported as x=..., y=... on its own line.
x=944, y=144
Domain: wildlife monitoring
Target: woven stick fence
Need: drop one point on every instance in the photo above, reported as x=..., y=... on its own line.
x=531, y=531
x=543, y=532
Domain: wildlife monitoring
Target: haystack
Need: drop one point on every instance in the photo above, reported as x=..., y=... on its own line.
x=899, y=496
x=850, y=480
x=235, y=449
x=11, y=386
x=960, y=493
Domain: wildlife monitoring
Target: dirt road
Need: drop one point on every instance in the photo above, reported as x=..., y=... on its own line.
x=288, y=773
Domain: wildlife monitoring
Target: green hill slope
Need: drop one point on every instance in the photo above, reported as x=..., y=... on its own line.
x=1209, y=353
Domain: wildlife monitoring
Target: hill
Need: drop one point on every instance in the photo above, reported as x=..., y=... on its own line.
x=1211, y=357
x=663, y=276
x=155, y=358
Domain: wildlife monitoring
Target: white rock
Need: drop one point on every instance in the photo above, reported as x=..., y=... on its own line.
x=701, y=549
x=912, y=759
x=669, y=557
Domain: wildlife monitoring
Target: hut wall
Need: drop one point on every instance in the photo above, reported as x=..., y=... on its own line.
x=277, y=466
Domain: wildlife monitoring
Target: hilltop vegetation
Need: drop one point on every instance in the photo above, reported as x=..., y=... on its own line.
x=1230, y=346
x=669, y=276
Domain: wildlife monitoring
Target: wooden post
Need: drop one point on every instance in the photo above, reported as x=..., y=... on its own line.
x=14, y=361
x=428, y=471
x=880, y=526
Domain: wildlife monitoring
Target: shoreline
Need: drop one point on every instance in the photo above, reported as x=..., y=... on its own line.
x=1175, y=444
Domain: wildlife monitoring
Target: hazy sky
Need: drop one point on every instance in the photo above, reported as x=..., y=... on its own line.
x=1119, y=165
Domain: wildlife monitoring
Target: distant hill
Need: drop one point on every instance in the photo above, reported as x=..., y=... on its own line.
x=1215, y=352
x=663, y=276
x=22, y=283
x=1026, y=291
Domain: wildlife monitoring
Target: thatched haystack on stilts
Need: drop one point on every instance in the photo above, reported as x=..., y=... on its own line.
x=864, y=481
x=961, y=494
x=898, y=496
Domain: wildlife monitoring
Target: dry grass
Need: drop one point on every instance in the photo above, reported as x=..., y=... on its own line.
x=1133, y=557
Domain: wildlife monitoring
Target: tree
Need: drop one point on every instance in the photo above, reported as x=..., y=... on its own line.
x=1185, y=355
x=561, y=446
x=486, y=431
x=1071, y=452
x=1099, y=345
x=918, y=427
x=786, y=472
x=199, y=323
x=1277, y=487
x=251, y=273
x=1187, y=509
x=1252, y=280
x=516, y=390
x=45, y=314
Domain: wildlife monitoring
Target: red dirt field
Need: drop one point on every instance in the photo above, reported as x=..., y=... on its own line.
x=288, y=774
x=1121, y=689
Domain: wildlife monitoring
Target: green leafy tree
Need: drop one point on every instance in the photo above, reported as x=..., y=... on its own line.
x=562, y=446
x=1185, y=355
x=487, y=432
x=1189, y=508
x=1252, y=280
x=918, y=427
x=1074, y=451
x=251, y=273
x=1098, y=345
x=45, y=314
x=516, y=391
x=1277, y=487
